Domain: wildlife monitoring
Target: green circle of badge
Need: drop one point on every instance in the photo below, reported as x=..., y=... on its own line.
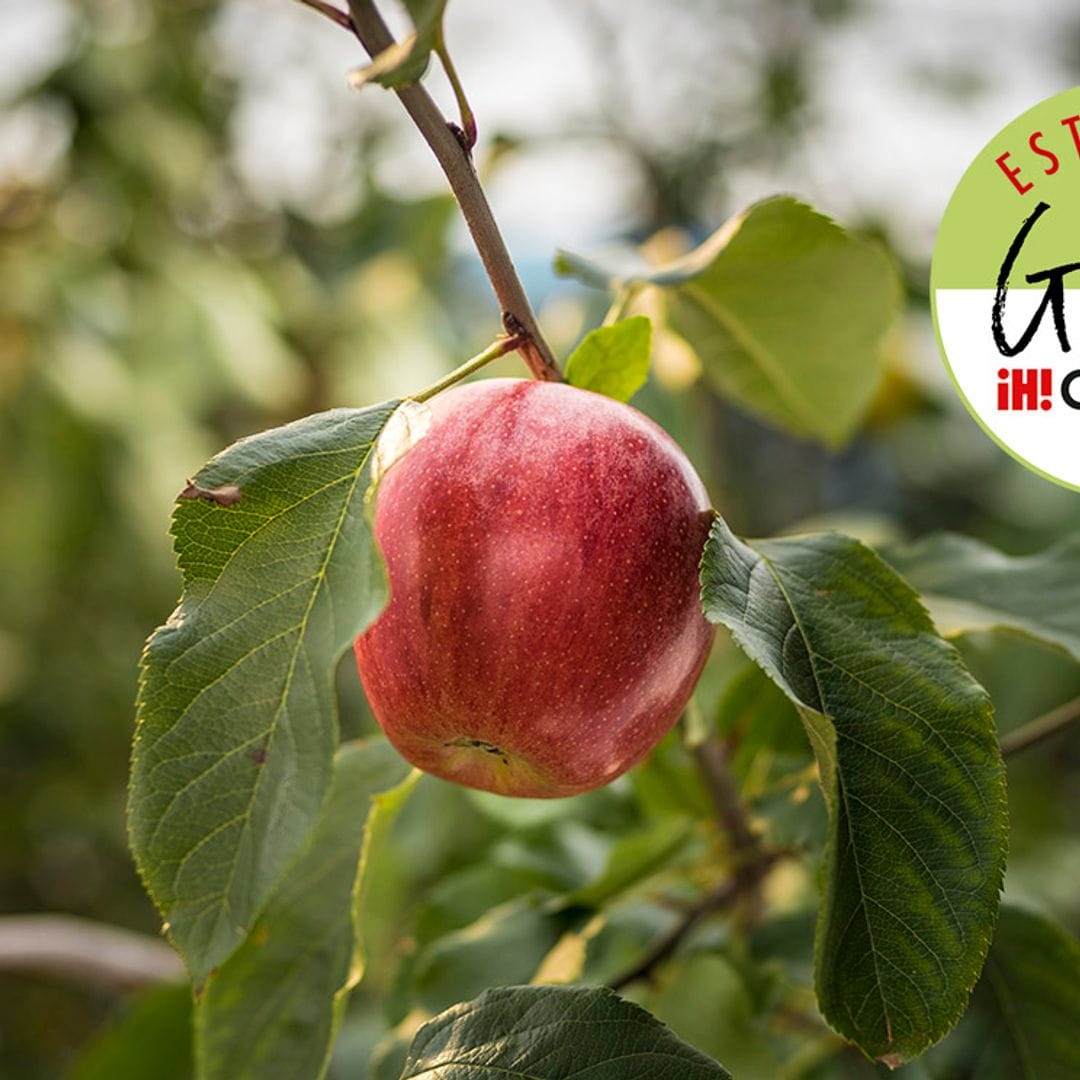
x=1005, y=288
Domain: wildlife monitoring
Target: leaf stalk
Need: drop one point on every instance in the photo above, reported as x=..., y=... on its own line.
x=499, y=347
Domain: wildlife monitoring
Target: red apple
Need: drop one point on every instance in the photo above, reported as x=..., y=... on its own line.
x=544, y=628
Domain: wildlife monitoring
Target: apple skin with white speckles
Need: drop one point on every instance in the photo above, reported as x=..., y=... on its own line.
x=544, y=629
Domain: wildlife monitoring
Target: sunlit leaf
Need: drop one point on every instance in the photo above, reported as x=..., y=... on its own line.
x=236, y=713
x=786, y=310
x=613, y=360
x=909, y=764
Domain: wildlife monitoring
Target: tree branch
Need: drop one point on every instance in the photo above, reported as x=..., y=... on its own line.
x=1041, y=728
x=752, y=863
x=85, y=952
x=457, y=164
x=723, y=898
x=712, y=758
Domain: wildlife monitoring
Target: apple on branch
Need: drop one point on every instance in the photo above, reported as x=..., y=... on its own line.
x=544, y=629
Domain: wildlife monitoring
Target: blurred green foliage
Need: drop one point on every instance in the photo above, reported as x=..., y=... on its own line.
x=155, y=308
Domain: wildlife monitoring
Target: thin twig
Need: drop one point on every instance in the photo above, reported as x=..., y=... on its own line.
x=85, y=952
x=712, y=758
x=1041, y=728
x=722, y=898
x=332, y=13
x=752, y=863
x=457, y=164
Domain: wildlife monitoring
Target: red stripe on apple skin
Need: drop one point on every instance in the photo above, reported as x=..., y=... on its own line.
x=544, y=629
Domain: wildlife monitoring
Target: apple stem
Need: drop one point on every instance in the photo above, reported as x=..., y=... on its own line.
x=455, y=159
x=499, y=347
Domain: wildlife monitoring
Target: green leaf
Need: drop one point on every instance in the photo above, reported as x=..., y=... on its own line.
x=600, y=273
x=236, y=712
x=369, y=915
x=556, y=1033
x=405, y=62
x=704, y=1000
x=503, y=947
x=762, y=725
x=788, y=318
x=969, y=586
x=786, y=310
x=275, y=1005
x=613, y=360
x=632, y=858
x=1025, y=1012
x=151, y=1042
x=910, y=768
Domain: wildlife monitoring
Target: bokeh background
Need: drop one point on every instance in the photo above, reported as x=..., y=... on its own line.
x=204, y=232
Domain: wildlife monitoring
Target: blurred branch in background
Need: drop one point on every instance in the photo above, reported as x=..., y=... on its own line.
x=85, y=952
x=1041, y=728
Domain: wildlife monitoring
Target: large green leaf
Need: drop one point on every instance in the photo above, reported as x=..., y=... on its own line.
x=788, y=318
x=556, y=1033
x=274, y=1007
x=786, y=310
x=968, y=585
x=236, y=712
x=909, y=764
x=1025, y=1012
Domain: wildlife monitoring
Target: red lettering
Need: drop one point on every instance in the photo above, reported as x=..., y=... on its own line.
x=1070, y=122
x=1012, y=174
x=1025, y=389
x=1050, y=156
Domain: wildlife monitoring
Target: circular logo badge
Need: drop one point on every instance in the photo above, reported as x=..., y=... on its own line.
x=1005, y=288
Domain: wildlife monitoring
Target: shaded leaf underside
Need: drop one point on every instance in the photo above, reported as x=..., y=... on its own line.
x=968, y=586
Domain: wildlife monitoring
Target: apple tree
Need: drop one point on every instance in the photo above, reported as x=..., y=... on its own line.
x=532, y=576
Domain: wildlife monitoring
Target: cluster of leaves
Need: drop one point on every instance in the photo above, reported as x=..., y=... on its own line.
x=154, y=310
x=280, y=865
